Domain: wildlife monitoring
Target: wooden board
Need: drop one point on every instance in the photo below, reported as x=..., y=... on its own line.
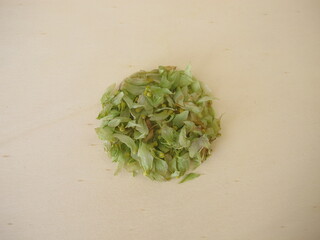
x=260, y=58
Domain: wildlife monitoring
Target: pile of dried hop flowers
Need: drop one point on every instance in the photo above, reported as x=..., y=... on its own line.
x=159, y=122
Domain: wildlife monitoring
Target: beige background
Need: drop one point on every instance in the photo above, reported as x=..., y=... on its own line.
x=260, y=58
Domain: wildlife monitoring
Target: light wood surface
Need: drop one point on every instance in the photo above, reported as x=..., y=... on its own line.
x=260, y=58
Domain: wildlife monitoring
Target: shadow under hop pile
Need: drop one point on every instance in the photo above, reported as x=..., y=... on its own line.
x=159, y=122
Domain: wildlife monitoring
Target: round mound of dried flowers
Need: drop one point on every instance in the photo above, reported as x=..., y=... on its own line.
x=158, y=122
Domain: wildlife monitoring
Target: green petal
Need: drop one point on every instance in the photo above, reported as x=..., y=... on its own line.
x=105, y=111
x=178, y=97
x=161, y=166
x=142, y=128
x=145, y=157
x=185, y=80
x=205, y=99
x=189, y=177
x=133, y=89
x=114, y=122
x=109, y=94
x=180, y=118
x=128, y=101
x=197, y=144
x=183, y=141
x=187, y=71
x=117, y=99
x=127, y=141
x=168, y=134
x=105, y=133
x=183, y=163
x=192, y=107
x=160, y=116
